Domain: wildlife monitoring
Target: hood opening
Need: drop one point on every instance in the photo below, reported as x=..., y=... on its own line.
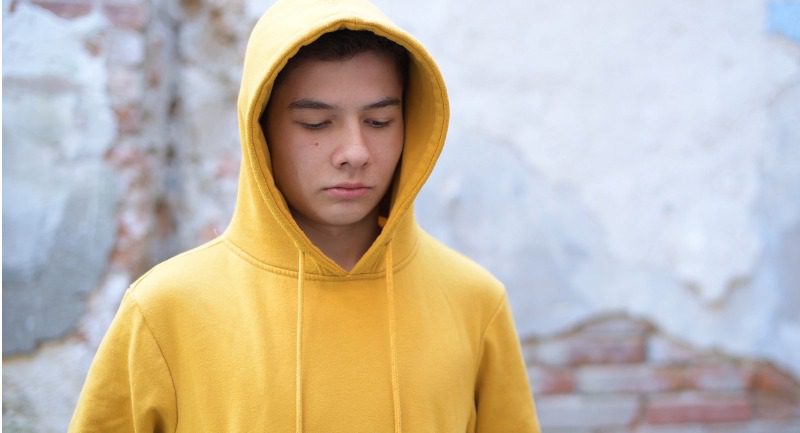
x=262, y=216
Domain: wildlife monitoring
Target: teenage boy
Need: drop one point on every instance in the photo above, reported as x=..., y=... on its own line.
x=323, y=307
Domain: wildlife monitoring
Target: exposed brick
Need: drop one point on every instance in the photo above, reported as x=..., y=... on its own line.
x=227, y=167
x=125, y=85
x=613, y=430
x=767, y=378
x=133, y=16
x=619, y=326
x=738, y=427
x=759, y=427
x=580, y=349
x=65, y=8
x=697, y=407
x=663, y=350
x=546, y=381
x=628, y=379
x=129, y=118
x=775, y=406
x=722, y=376
x=682, y=428
x=578, y=411
x=571, y=430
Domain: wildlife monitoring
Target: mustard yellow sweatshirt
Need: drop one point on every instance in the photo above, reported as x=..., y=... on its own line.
x=259, y=331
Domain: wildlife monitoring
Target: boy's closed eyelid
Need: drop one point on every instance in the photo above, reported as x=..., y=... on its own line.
x=312, y=125
x=378, y=123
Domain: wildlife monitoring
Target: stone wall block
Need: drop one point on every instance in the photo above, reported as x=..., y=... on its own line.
x=766, y=426
x=578, y=350
x=697, y=407
x=617, y=326
x=66, y=8
x=133, y=15
x=125, y=47
x=125, y=86
x=57, y=215
x=60, y=196
x=129, y=118
x=719, y=376
x=771, y=406
x=767, y=378
x=628, y=379
x=595, y=412
x=547, y=381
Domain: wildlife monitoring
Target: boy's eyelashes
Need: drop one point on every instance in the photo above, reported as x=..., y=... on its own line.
x=378, y=123
x=374, y=123
x=313, y=125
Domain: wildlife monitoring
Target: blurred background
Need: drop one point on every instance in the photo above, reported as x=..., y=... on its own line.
x=630, y=169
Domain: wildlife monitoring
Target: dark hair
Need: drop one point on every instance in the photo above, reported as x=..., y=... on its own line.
x=345, y=44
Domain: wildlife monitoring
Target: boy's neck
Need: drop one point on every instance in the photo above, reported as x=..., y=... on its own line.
x=343, y=244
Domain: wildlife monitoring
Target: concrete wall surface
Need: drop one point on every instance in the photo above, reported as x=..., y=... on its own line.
x=630, y=171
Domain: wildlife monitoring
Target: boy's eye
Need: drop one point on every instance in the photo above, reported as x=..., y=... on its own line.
x=378, y=123
x=314, y=125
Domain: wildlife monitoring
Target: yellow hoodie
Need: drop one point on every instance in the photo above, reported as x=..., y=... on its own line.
x=259, y=331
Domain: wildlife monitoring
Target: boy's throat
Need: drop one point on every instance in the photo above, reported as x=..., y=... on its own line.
x=344, y=244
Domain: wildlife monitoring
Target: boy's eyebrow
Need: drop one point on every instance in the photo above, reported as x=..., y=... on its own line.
x=385, y=102
x=313, y=104
x=309, y=104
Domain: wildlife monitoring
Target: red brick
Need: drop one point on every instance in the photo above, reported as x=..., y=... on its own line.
x=577, y=411
x=619, y=326
x=129, y=118
x=775, y=406
x=133, y=16
x=721, y=376
x=766, y=377
x=125, y=85
x=227, y=167
x=548, y=381
x=761, y=426
x=776, y=395
x=697, y=407
x=628, y=379
x=65, y=8
x=579, y=350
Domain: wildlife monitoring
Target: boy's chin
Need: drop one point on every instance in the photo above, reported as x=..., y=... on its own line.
x=341, y=217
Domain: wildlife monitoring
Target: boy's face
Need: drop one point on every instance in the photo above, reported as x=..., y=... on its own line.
x=335, y=134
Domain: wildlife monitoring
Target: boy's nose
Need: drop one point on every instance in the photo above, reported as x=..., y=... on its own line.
x=352, y=149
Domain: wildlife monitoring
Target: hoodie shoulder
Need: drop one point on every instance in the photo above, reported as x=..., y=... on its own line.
x=182, y=276
x=458, y=272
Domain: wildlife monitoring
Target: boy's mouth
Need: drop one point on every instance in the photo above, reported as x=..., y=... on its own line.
x=348, y=191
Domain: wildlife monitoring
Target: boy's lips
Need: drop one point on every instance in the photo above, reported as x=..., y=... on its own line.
x=348, y=191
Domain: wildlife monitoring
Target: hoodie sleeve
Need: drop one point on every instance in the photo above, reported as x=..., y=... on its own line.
x=129, y=387
x=503, y=398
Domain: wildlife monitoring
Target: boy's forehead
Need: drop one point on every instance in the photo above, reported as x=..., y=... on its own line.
x=306, y=62
x=308, y=75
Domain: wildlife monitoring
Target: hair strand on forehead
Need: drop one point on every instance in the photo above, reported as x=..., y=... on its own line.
x=345, y=44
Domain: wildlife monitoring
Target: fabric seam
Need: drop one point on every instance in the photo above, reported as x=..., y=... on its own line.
x=244, y=255
x=486, y=330
x=160, y=351
x=207, y=245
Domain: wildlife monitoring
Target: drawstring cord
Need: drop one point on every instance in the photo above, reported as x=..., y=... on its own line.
x=398, y=428
x=299, y=346
x=393, y=340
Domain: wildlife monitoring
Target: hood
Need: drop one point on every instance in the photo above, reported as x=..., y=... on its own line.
x=262, y=224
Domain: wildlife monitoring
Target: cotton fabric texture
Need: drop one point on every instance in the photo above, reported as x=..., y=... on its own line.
x=259, y=331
